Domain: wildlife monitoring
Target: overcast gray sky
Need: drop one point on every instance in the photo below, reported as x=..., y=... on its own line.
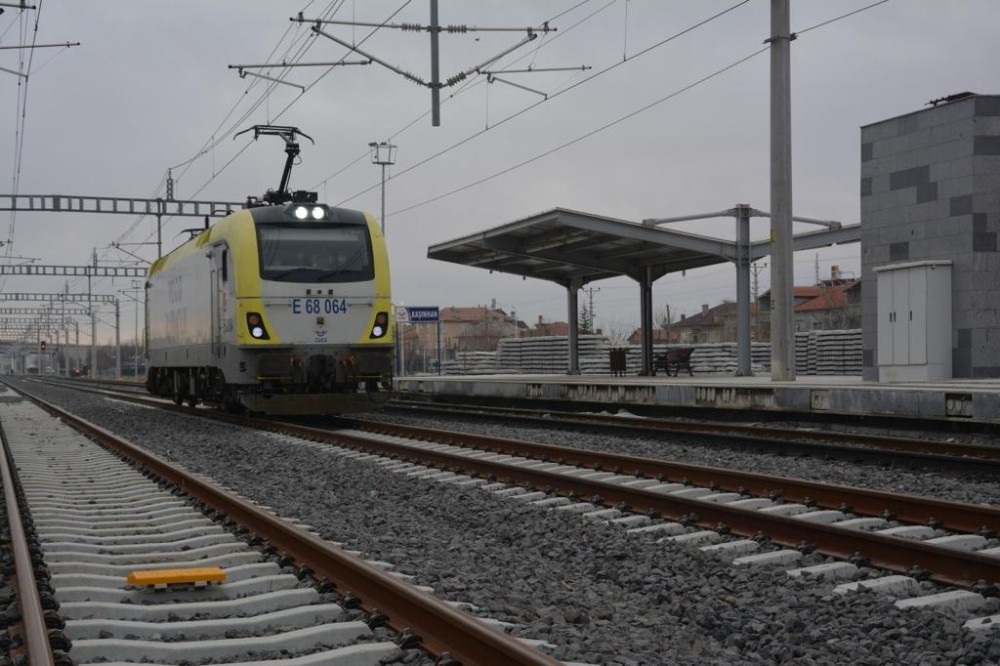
x=149, y=89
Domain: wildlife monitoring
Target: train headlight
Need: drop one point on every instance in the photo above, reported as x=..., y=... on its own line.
x=381, y=326
x=301, y=212
x=318, y=213
x=255, y=323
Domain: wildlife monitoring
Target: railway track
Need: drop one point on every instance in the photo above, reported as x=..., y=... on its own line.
x=747, y=519
x=942, y=452
x=99, y=521
x=785, y=510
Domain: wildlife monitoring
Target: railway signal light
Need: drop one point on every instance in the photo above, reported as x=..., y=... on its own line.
x=42, y=345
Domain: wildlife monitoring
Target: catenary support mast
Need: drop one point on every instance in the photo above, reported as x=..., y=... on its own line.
x=782, y=336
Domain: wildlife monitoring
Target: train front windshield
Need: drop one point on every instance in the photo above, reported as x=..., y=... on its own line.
x=314, y=253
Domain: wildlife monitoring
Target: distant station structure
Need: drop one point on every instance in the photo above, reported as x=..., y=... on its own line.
x=573, y=248
x=930, y=261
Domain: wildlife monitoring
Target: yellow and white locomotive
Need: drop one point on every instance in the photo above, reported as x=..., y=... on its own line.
x=276, y=309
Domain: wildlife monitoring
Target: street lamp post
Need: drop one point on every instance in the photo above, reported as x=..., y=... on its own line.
x=383, y=154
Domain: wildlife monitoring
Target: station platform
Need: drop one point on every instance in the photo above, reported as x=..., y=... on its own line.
x=959, y=400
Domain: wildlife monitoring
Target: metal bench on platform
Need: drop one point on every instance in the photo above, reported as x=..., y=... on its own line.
x=674, y=359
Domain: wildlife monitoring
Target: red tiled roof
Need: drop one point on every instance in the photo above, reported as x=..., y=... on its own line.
x=830, y=298
x=469, y=314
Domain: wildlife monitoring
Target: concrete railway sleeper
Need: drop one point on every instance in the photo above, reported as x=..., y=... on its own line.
x=951, y=559
x=99, y=521
x=694, y=517
x=912, y=590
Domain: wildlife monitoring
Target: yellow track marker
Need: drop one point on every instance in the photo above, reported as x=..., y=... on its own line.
x=193, y=575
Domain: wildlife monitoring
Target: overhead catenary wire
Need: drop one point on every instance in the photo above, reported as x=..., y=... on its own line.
x=214, y=140
x=550, y=97
x=222, y=131
x=288, y=106
x=608, y=125
x=21, y=120
x=209, y=145
x=332, y=8
x=620, y=120
x=587, y=135
x=468, y=85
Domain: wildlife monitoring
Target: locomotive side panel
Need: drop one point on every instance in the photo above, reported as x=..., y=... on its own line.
x=179, y=311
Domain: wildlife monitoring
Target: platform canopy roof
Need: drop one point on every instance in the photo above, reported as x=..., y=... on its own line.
x=573, y=248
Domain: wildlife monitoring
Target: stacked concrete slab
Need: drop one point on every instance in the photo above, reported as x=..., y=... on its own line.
x=930, y=190
x=837, y=352
x=817, y=352
x=805, y=353
x=550, y=353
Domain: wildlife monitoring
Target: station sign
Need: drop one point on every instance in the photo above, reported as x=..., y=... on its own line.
x=425, y=313
x=416, y=315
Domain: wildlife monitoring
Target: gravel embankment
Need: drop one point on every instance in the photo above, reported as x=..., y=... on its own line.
x=595, y=594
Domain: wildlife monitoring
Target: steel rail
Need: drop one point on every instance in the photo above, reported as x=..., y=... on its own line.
x=441, y=627
x=962, y=455
x=945, y=565
x=910, y=508
x=955, y=516
x=28, y=598
x=878, y=443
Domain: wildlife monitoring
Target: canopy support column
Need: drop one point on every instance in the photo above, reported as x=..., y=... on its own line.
x=646, y=320
x=572, y=305
x=743, y=368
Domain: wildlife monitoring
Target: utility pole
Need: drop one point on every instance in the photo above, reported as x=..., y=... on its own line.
x=435, y=85
x=93, y=322
x=383, y=154
x=590, y=312
x=782, y=338
x=757, y=270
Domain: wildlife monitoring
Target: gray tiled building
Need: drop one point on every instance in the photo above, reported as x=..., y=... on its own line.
x=930, y=191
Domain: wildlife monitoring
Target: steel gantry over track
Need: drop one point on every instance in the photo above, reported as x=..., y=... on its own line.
x=573, y=249
x=55, y=298
x=41, y=312
x=63, y=298
x=57, y=203
x=80, y=271
x=73, y=271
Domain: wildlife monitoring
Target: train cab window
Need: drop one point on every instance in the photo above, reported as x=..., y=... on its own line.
x=225, y=265
x=314, y=253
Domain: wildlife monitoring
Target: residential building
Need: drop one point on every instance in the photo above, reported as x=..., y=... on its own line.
x=833, y=304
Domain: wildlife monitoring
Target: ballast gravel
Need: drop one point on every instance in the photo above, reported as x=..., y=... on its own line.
x=594, y=593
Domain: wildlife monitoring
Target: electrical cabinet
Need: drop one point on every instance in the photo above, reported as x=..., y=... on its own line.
x=914, y=321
